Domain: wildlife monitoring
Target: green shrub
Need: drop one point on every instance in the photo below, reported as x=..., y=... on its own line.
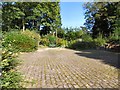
x=12, y=43
x=61, y=42
x=99, y=41
x=52, y=39
x=10, y=77
x=31, y=34
x=87, y=38
x=115, y=36
x=44, y=41
x=48, y=40
x=87, y=42
x=82, y=45
x=70, y=43
x=20, y=42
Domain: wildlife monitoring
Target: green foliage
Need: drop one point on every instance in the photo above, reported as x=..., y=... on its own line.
x=10, y=77
x=70, y=43
x=72, y=33
x=79, y=34
x=44, y=41
x=48, y=40
x=12, y=44
x=60, y=33
x=31, y=34
x=87, y=42
x=99, y=41
x=9, y=13
x=115, y=36
x=61, y=42
x=31, y=15
x=20, y=42
x=52, y=39
x=87, y=38
x=78, y=45
x=102, y=17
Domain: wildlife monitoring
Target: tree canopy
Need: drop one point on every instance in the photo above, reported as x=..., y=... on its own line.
x=31, y=15
x=102, y=17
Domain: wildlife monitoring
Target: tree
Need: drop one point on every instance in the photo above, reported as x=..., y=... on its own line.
x=10, y=13
x=61, y=33
x=101, y=17
x=31, y=15
x=72, y=33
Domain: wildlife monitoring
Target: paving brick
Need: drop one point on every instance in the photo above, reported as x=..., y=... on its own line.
x=62, y=68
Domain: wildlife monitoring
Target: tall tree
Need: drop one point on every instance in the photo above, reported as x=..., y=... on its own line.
x=101, y=17
x=32, y=15
x=10, y=13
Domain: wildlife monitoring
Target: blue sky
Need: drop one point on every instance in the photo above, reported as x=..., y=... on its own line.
x=72, y=14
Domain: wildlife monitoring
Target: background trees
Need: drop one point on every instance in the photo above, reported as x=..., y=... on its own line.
x=102, y=17
x=29, y=15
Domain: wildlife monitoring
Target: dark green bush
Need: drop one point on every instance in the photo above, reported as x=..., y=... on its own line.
x=61, y=42
x=99, y=41
x=52, y=39
x=115, y=36
x=48, y=40
x=82, y=45
x=87, y=42
x=87, y=38
x=20, y=42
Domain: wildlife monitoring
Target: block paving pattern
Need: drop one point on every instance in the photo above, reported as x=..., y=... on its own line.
x=63, y=68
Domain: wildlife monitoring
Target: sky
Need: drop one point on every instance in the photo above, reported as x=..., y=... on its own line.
x=72, y=14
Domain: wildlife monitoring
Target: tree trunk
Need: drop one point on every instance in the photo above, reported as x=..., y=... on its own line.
x=56, y=33
x=23, y=22
x=56, y=36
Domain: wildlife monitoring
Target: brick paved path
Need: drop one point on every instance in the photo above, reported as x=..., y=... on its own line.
x=65, y=68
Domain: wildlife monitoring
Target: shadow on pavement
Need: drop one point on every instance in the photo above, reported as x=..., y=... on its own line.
x=106, y=57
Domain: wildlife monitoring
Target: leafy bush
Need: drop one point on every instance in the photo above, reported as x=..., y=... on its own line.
x=10, y=77
x=70, y=43
x=12, y=43
x=81, y=45
x=115, y=36
x=52, y=39
x=86, y=38
x=99, y=41
x=20, y=42
x=48, y=40
x=44, y=41
x=31, y=34
x=87, y=42
x=61, y=42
